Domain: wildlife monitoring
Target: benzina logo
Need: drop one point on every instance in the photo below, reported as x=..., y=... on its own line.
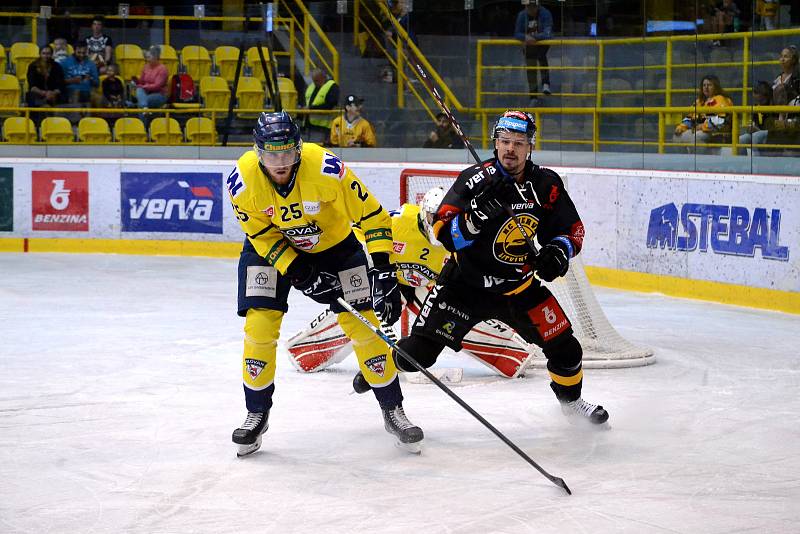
x=171, y=202
x=60, y=200
x=730, y=230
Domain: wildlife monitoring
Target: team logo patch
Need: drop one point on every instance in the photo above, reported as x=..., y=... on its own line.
x=510, y=245
x=377, y=364
x=398, y=247
x=269, y=212
x=254, y=367
x=356, y=280
x=311, y=208
x=448, y=327
x=303, y=237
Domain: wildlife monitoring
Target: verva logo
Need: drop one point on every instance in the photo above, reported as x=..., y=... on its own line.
x=60, y=200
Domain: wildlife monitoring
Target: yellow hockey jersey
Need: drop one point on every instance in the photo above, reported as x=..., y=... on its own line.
x=418, y=262
x=325, y=201
x=359, y=132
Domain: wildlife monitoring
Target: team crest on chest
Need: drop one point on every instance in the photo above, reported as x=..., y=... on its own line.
x=377, y=364
x=304, y=237
x=510, y=245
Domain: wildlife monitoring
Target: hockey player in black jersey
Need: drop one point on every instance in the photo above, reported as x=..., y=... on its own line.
x=495, y=274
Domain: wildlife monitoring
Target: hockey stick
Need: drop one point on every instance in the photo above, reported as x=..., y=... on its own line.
x=555, y=480
x=423, y=75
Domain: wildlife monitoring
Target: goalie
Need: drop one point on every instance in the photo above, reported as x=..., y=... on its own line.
x=419, y=258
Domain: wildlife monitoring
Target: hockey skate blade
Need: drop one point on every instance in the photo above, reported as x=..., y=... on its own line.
x=446, y=375
x=413, y=448
x=247, y=450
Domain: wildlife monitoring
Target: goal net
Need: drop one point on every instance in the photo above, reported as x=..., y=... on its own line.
x=603, y=346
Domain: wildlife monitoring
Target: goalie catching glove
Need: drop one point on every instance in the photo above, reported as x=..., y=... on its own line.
x=552, y=260
x=385, y=293
x=320, y=286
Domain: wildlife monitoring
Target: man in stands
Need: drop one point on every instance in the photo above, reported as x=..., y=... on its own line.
x=350, y=129
x=99, y=45
x=297, y=204
x=322, y=94
x=487, y=220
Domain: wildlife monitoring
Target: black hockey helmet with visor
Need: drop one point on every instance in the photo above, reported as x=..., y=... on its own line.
x=277, y=140
x=518, y=122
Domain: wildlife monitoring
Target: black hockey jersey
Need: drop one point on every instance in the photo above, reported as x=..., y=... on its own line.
x=495, y=259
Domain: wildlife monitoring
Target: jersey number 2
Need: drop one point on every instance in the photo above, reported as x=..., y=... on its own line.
x=425, y=252
x=362, y=195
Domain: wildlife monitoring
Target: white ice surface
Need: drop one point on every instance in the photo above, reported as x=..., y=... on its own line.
x=120, y=385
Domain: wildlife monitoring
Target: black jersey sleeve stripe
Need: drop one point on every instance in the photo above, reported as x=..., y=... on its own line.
x=265, y=230
x=374, y=213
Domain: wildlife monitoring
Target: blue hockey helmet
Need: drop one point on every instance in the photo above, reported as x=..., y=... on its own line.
x=516, y=121
x=277, y=139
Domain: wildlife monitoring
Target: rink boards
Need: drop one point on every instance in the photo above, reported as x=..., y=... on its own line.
x=723, y=237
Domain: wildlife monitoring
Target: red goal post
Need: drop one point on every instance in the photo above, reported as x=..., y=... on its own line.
x=603, y=346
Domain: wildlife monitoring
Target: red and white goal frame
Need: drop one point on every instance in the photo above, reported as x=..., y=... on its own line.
x=603, y=346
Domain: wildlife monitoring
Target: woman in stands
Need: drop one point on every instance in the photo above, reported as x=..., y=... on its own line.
x=46, y=81
x=151, y=86
x=697, y=128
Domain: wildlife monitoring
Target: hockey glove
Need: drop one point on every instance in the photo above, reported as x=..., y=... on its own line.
x=489, y=203
x=385, y=293
x=320, y=286
x=551, y=262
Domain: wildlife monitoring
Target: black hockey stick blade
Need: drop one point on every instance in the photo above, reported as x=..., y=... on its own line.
x=393, y=345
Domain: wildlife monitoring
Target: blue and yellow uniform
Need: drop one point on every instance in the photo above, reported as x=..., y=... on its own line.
x=311, y=218
x=418, y=261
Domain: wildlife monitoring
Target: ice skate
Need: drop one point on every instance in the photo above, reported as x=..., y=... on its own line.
x=581, y=411
x=360, y=384
x=248, y=436
x=408, y=435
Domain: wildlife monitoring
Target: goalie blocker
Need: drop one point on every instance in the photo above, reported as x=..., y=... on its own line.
x=494, y=344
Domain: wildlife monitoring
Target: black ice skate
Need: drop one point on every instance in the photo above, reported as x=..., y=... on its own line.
x=360, y=384
x=409, y=436
x=248, y=436
x=580, y=410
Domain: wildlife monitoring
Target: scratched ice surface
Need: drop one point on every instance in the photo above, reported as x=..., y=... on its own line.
x=120, y=386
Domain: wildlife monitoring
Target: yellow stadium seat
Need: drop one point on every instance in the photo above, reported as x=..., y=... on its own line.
x=94, y=130
x=288, y=93
x=130, y=59
x=250, y=95
x=130, y=130
x=215, y=92
x=9, y=91
x=169, y=58
x=57, y=130
x=22, y=55
x=196, y=60
x=200, y=131
x=159, y=133
x=255, y=62
x=19, y=130
x=2, y=58
x=226, y=58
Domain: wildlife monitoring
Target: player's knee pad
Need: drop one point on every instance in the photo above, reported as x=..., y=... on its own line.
x=422, y=349
x=372, y=352
x=564, y=365
x=261, y=330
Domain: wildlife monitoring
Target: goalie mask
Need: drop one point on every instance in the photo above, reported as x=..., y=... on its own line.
x=428, y=208
x=277, y=140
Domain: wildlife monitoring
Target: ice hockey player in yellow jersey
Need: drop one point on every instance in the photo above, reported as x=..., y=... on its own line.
x=419, y=258
x=297, y=203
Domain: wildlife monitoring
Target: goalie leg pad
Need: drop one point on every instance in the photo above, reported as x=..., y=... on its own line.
x=261, y=329
x=319, y=346
x=494, y=345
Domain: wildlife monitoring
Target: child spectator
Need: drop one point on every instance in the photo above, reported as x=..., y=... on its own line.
x=113, y=88
x=756, y=133
x=60, y=50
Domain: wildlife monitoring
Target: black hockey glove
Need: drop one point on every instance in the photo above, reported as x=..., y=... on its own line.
x=489, y=203
x=320, y=286
x=385, y=292
x=551, y=262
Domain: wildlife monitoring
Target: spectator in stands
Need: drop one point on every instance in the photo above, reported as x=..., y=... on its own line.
x=534, y=24
x=350, y=129
x=80, y=75
x=113, y=88
x=46, y=82
x=724, y=18
x=761, y=122
x=399, y=11
x=322, y=94
x=699, y=128
x=767, y=11
x=99, y=45
x=786, y=87
x=60, y=50
x=444, y=136
x=151, y=86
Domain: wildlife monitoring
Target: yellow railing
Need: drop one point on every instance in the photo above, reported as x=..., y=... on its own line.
x=312, y=55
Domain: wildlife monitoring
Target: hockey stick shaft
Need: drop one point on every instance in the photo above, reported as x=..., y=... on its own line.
x=423, y=75
x=385, y=337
